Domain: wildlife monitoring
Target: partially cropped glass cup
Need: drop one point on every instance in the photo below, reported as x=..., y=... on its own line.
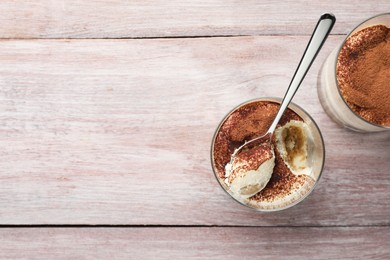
x=281, y=192
x=331, y=98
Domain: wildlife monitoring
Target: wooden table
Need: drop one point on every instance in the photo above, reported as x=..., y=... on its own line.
x=107, y=112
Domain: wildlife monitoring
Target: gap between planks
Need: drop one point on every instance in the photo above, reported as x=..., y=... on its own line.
x=182, y=226
x=163, y=37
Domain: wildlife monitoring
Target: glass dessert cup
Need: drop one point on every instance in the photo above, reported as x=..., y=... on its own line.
x=329, y=92
x=316, y=159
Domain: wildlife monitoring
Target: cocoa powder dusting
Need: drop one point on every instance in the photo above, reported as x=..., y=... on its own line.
x=363, y=73
x=281, y=182
x=244, y=124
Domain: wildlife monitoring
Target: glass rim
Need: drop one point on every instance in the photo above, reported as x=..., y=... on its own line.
x=335, y=69
x=293, y=107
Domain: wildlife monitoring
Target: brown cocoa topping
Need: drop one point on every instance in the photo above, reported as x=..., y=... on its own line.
x=363, y=73
x=255, y=156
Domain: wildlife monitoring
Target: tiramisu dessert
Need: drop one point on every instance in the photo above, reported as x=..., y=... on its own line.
x=363, y=73
x=267, y=176
x=354, y=81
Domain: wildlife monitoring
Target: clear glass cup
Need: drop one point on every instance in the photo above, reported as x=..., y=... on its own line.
x=316, y=159
x=329, y=93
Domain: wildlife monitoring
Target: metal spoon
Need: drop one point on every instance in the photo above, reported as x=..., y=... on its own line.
x=321, y=32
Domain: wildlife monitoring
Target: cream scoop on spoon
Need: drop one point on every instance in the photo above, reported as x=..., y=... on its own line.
x=252, y=163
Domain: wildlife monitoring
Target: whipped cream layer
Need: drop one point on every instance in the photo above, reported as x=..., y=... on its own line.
x=251, y=170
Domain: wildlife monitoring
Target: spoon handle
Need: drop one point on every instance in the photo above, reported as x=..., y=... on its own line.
x=321, y=32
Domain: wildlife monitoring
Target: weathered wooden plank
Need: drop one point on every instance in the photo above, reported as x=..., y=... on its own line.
x=199, y=243
x=119, y=132
x=118, y=19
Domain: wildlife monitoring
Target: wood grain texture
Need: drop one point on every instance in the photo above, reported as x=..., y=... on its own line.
x=119, y=132
x=198, y=243
x=120, y=18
